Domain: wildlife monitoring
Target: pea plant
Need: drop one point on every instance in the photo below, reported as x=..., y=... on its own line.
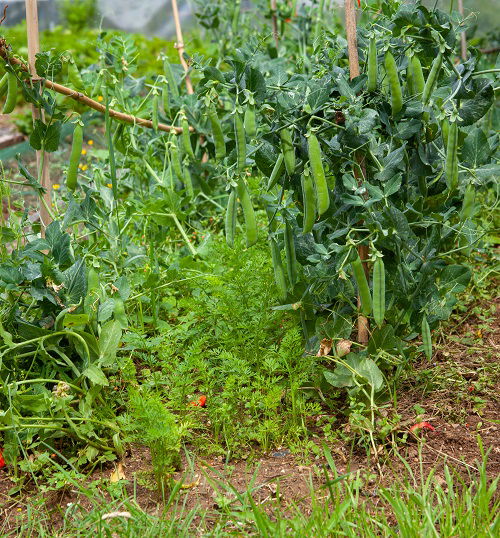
x=368, y=186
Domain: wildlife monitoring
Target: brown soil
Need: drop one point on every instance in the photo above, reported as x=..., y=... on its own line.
x=463, y=406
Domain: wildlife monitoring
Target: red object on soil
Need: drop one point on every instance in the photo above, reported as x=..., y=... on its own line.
x=422, y=426
x=2, y=461
x=202, y=402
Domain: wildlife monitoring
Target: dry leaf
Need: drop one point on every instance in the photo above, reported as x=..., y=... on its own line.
x=324, y=347
x=112, y=515
x=118, y=474
x=343, y=347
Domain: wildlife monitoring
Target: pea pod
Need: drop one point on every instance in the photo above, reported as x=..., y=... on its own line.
x=220, y=145
x=230, y=222
x=249, y=121
x=169, y=75
x=277, y=172
x=248, y=213
x=154, y=112
x=74, y=76
x=175, y=161
x=309, y=203
x=318, y=173
x=119, y=312
x=96, y=88
x=445, y=131
x=74, y=159
x=362, y=283
x=118, y=142
x=279, y=272
x=91, y=298
x=392, y=74
x=186, y=138
x=426, y=338
x=468, y=202
x=188, y=182
x=288, y=150
x=165, y=97
x=11, y=99
x=372, y=65
x=451, y=166
x=241, y=146
x=417, y=76
x=379, y=291
x=3, y=84
x=291, y=260
x=432, y=78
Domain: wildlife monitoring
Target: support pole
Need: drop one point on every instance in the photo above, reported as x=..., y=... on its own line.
x=352, y=49
x=274, y=19
x=180, y=46
x=42, y=158
x=463, y=36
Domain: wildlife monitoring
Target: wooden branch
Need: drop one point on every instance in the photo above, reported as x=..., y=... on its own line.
x=42, y=157
x=87, y=101
x=275, y=22
x=352, y=49
x=180, y=46
x=463, y=36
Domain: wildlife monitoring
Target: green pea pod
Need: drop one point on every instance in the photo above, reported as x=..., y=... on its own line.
x=432, y=78
x=175, y=161
x=249, y=121
x=96, y=88
x=91, y=298
x=186, y=138
x=188, y=182
x=451, y=166
x=119, y=312
x=291, y=260
x=165, y=97
x=309, y=203
x=74, y=159
x=220, y=145
x=230, y=222
x=288, y=150
x=11, y=99
x=362, y=283
x=417, y=76
x=118, y=139
x=169, y=75
x=392, y=74
x=426, y=338
x=372, y=66
x=445, y=130
x=279, y=272
x=154, y=112
x=379, y=291
x=248, y=213
x=468, y=202
x=3, y=84
x=277, y=172
x=74, y=76
x=318, y=172
x=241, y=146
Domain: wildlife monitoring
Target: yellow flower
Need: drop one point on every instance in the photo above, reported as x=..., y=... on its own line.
x=100, y=98
x=80, y=166
x=84, y=167
x=84, y=152
x=56, y=186
x=109, y=185
x=90, y=142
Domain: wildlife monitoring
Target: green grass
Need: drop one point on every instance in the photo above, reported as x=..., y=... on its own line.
x=414, y=506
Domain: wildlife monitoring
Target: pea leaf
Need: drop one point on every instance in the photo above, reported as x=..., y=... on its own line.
x=109, y=339
x=96, y=375
x=472, y=110
x=476, y=148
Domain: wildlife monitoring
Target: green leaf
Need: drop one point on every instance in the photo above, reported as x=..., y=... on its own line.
x=75, y=320
x=75, y=282
x=472, y=110
x=96, y=375
x=52, y=137
x=454, y=279
x=59, y=243
x=365, y=370
x=476, y=148
x=109, y=339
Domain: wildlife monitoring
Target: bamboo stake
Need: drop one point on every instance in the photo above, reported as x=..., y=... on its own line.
x=352, y=49
x=82, y=98
x=180, y=46
x=42, y=158
x=275, y=22
x=463, y=36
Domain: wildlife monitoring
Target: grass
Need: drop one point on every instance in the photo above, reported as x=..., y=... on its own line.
x=414, y=505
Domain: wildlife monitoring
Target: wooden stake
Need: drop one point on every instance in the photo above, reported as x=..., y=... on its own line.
x=274, y=19
x=42, y=158
x=352, y=49
x=180, y=46
x=463, y=36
